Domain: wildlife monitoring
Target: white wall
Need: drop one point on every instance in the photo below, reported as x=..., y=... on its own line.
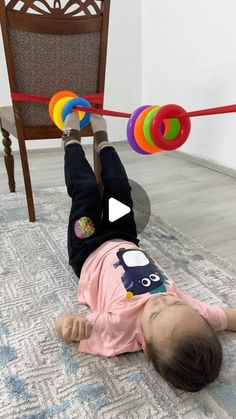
x=124, y=63
x=123, y=71
x=189, y=59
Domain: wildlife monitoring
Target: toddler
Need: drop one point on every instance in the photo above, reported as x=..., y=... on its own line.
x=134, y=304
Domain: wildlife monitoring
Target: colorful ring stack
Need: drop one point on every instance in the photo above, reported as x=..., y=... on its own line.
x=152, y=129
x=62, y=103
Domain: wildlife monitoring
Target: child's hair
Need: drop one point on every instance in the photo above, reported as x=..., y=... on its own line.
x=193, y=362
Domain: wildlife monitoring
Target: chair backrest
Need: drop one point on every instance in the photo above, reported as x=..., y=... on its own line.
x=50, y=47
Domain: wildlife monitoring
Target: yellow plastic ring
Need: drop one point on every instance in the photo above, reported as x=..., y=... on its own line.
x=57, y=110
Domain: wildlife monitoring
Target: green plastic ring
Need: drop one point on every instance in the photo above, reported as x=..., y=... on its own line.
x=174, y=129
x=147, y=123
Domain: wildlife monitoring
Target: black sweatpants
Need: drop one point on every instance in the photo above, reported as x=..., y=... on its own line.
x=89, y=225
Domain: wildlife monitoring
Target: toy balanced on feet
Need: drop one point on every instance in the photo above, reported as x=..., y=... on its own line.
x=150, y=129
x=62, y=103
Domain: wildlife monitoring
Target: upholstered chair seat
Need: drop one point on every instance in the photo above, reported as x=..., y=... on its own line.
x=7, y=119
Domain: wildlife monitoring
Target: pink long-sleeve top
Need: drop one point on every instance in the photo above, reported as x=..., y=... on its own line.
x=116, y=281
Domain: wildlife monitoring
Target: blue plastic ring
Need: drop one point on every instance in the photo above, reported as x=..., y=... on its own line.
x=77, y=101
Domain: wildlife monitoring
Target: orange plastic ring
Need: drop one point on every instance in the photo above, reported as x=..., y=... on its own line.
x=56, y=97
x=139, y=134
x=167, y=127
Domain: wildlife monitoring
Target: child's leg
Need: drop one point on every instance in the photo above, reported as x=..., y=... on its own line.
x=114, y=178
x=116, y=185
x=86, y=209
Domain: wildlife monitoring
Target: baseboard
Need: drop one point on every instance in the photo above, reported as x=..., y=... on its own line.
x=210, y=164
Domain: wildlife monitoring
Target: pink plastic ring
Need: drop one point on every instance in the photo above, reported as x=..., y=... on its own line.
x=170, y=111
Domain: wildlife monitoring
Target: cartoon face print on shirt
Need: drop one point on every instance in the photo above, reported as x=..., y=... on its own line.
x=141, y=274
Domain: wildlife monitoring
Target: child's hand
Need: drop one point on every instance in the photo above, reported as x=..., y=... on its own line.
x=73, y=328
x=231, y=319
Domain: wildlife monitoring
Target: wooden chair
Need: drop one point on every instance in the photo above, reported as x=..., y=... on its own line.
x=49, y=48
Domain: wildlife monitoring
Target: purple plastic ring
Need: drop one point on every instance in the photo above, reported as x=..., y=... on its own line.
x=130, y=130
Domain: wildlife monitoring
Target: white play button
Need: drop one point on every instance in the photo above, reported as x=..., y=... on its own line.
x=116, y=209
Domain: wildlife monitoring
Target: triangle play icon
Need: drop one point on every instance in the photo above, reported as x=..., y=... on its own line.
x=117, y=209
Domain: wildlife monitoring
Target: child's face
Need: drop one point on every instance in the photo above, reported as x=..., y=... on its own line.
x=160, y=316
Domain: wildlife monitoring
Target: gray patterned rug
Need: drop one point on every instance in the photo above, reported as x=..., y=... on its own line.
x=42, y=377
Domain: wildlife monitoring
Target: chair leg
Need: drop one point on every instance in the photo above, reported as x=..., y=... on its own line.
x=9, y=159
x=27, y=180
